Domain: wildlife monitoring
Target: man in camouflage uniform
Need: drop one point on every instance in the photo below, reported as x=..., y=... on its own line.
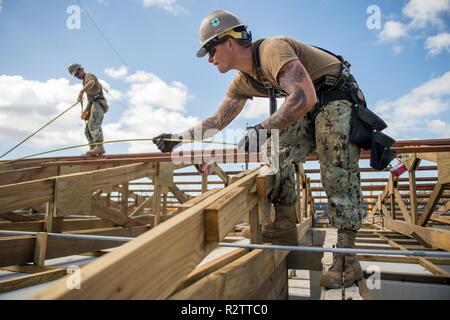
x=96, y=108
x=296, y=69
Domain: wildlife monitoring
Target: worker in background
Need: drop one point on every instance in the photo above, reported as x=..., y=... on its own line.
x=96, y=108
x=301, y=73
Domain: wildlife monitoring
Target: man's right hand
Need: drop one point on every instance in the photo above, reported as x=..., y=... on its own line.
x=164, y=144
x=86, y=115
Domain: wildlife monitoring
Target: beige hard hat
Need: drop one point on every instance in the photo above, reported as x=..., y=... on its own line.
x=216, y=25
x=74, y=67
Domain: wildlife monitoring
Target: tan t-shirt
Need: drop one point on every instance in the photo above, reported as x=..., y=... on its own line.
x=274, y=53
x=96, y=89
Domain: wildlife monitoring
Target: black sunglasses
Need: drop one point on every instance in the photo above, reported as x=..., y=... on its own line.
x=210, y=47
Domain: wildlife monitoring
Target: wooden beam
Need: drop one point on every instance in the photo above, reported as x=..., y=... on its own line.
x=68, y=225
x=436, y=237
x=223, y=215
x=275, y=287
x=141, y=207
x=124, y=198
x=216, y=169
x=211, y=266
x=179, y=195
x=112, y=215
x=40, y=249
x=237, y=281
x=113, y=276
x=399, y=259
x=443, y=165
x=413, y=197
x=402, y=206
x=255, y=226
x=422, y=261
x=27, y=194
x=21, y=250
x=31, y=279
x=156, y=206
x=431, y=205
x=26, y=174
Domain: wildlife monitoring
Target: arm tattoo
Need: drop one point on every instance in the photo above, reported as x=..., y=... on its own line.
x=227, y=111
x=294, y=79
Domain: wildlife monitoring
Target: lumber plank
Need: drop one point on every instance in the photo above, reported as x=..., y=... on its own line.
x=237, y=280
x=179, y=195
x=212, y=266
x=26, y=174
x=431, y=205
x=40, y=249
x=112, y=215
x=275, y=287
x=31, y=279
x=27, y=194
x=402, y=206
x=223, y=215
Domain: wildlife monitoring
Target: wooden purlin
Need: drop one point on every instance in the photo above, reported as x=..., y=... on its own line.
x=114, y=275
x=26, y=194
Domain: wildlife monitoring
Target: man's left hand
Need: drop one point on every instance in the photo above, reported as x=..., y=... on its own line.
x=80, y=96
x=254, y=138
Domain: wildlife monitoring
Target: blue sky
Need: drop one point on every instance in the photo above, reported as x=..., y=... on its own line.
x=402, y=67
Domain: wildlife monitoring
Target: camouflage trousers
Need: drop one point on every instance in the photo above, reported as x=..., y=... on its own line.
x=93, y=130
x=338, y=159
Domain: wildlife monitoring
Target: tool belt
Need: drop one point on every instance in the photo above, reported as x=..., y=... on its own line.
x=365, y=126
x=100, y=98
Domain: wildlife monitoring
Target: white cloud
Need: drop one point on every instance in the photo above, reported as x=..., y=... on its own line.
x=392, y=31
x=168, y=5
x=118, y=73
x=411, y=113
x=149, y=90
x=436, y=44
x=424, y=12
x=1, y=5
x=439, y=127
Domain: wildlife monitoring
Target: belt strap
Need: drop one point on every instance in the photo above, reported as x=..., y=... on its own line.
x=324, y=99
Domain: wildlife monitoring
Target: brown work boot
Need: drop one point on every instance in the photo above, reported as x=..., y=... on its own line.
x=284, y=230
x=98, y=150
x=332, y=279
x=91, y=147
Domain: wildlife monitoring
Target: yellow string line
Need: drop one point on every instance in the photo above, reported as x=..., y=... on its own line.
x=109, y=142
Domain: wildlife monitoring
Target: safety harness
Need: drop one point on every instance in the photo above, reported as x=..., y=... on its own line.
x=366, y=126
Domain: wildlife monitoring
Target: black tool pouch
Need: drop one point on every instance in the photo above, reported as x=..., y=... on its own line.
x=381, y=154
x=363, y=124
